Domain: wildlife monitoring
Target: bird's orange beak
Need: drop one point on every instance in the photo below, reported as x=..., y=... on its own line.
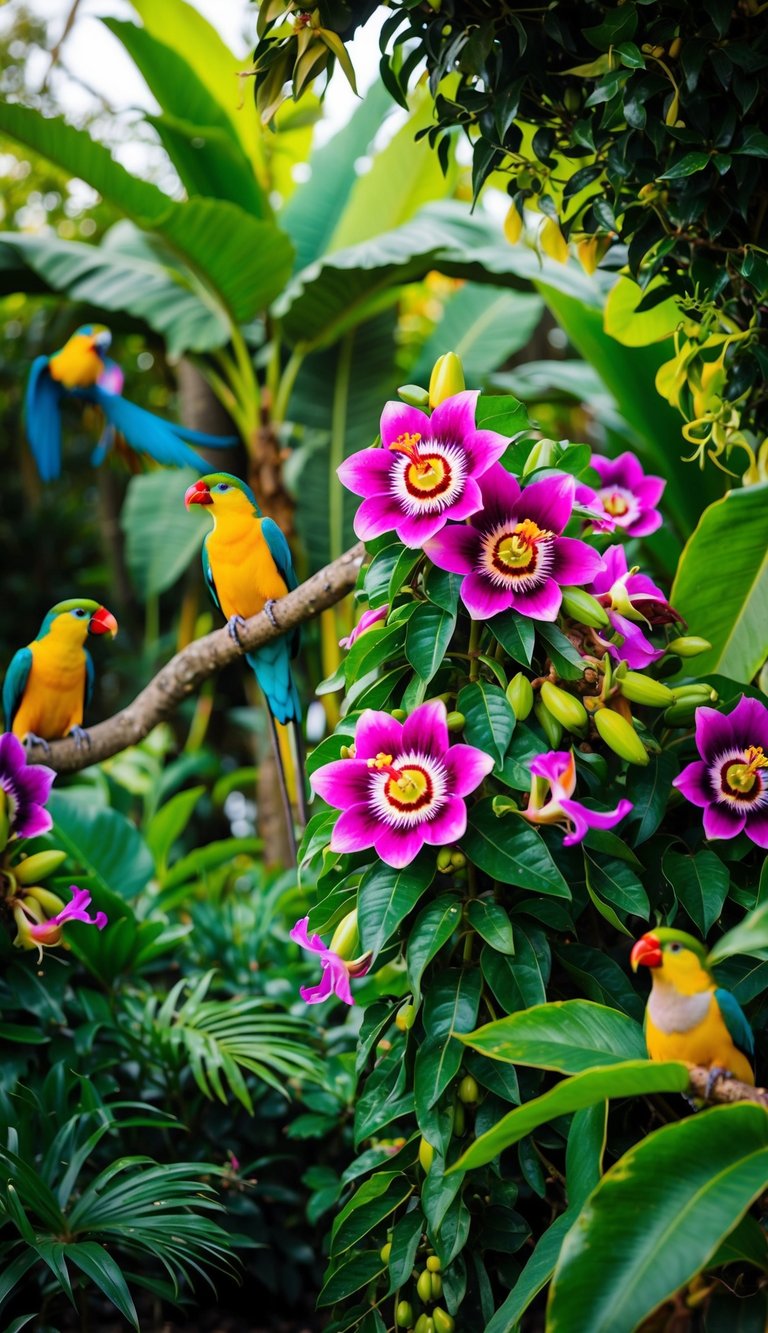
x=198, y=494
x=103, y=622
x=647, y=951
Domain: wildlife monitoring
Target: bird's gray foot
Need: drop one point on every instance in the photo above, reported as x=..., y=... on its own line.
x=234, y=625
x=270, y=614
x=81, y=738
x=32, y=738
x=715, y=1073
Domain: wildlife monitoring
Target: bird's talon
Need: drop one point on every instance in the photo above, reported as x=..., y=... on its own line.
x=32, y=738
x=234, y=624
x=715, y=1073
x=81, y=738
x=270, y=614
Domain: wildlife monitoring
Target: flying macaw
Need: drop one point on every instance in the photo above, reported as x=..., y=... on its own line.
x=688, y=1016
x=247, y=564
x=81, y=369
x=48, y=683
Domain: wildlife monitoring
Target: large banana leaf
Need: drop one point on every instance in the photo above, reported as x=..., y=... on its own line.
x=482, y=327
x=243, y=261
x=196, y=131
x=722, y=584
x=123, y=273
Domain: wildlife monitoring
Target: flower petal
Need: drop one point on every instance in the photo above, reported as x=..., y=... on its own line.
x=355, y=829
x=299, y=935
x=447, y=826
x=695, y=785
x=322, y=991
x=375, y=516
x=558, y=767
x=714, y=733
x=549, y=502
x=454, y=419
x=467, y=504
x=484, y=448
x=749, y=721
x=615, y=562
x=377, y=733
x=466, y=767
x=398, y=847
x=426, y=730
x=586, y=819
x=647, y=523
x=756, y=828
x=31, y=821
x=366, y=472
x=455, y=549
x=540, y=603
x=343, y=782
x=575, y=562
x=720, y=822
x=482, y=599
x=399, y=419
x=501, y=497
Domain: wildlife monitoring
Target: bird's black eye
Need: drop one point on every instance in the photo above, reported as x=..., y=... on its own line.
x=675, y=948
x=79, y=612
x=223, y=486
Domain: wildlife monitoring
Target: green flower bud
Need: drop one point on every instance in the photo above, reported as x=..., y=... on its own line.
x=447, y=378
x=437, y=1286
x=51, y=903
x=424, y=1286
x=640, y=689
x=566, y=708
x=385, y=1252
x=414, y=395
x=582, y=607
x=688, y=646
x=694, y=690
x=459, y=1121
x=404, y=1314
x=444, y=862
x=456, y=721
x=458, y=860
x=433, y=1264
x=345, y=940
x=424, y=1324
x=520, y=696
x=544, y=453
x=426, y=1154
x=549, y=724
x=620, y=736
x=34, y=868
x=681, y=714
x=469, y=1092
x=442, y=1320
x=501, y=805
x=405, y=1017
x=399, y=714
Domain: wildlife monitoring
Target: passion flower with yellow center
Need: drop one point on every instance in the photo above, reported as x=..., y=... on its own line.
x=730, y=779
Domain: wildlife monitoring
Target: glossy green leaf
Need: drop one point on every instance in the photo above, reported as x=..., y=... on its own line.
x=387, y=895
x=629, y=1078
x=512, y=852
x=170, y=821
x=349, y=1277
x=161, y=537
x=700, y=883
x=406, y=1235
x=516, y=634
x=97, y=1264
x=103, y=842
x=484, y=328
x=615, y=882
x=432, y=928
x=649, y=789
x=728, y=605
x=601, y=978
x=750, y=937
x=492, y=924
x=429, y=633
x=567, y=661
x=660, y=1213
x=490, y=721
x=369, y=1206
x=568, y=1036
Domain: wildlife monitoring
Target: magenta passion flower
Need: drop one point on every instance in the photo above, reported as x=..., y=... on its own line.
x=626, y=496
x=37, y=930
x=630, y=599
x=405, y=786
x=336, y=970
x=26, y=788
x=367, y=621
x=426, y=471
x=730, y=780
x=551, y=799
x=511, y=553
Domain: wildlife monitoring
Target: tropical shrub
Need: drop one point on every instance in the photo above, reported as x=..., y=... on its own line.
x=514, y=792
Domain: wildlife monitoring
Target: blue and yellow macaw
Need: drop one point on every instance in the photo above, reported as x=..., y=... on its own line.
x=49, y=683
x=247, y=564
x=82, y=370
x=688, y=1016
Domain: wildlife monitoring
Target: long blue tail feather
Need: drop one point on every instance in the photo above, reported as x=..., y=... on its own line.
x=42, y=407
x=148, y=434
x=271, y=666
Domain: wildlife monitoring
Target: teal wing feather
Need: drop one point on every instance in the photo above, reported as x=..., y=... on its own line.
x=208, y=576
x=15, y=683
x=42, y=409
x=90, y=678
x=281, y=554
x=736, y=1022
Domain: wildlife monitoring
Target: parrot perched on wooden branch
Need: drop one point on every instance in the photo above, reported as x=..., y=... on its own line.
x=49, y=683
x=82, y=370
x=688, y=1016
x=247, y=565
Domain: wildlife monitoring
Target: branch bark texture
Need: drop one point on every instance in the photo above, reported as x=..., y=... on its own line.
x=188, y=669
x=725, y=1089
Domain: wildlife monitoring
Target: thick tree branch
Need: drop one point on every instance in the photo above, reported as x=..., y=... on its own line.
x=726, y=1089
x=188, y=669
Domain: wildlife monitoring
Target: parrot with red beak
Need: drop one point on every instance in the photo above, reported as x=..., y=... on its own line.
x=247, y=565
x=49, y=683
x=688, y=1016
x=81, y=369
